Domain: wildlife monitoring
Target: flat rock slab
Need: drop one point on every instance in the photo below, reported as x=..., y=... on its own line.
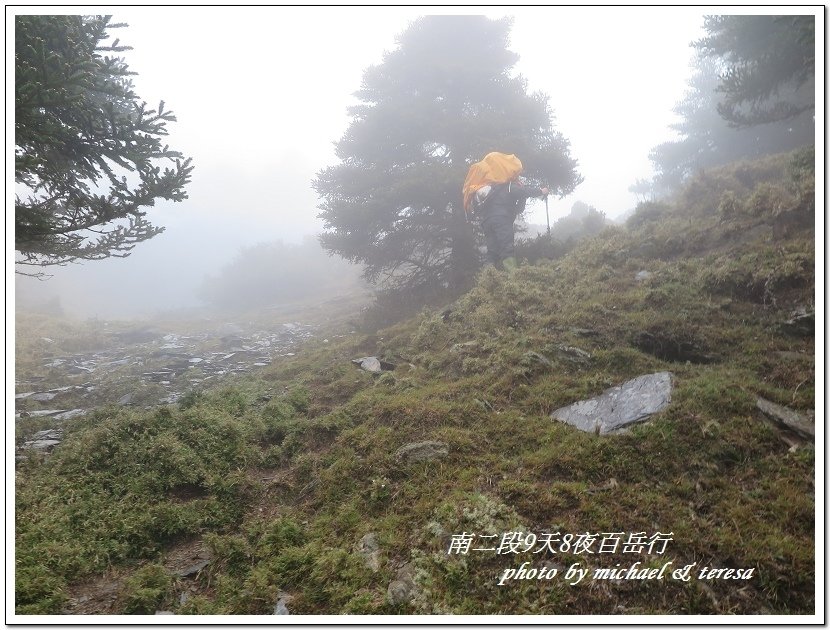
x=68, y=415
x=44, y=412
x=44, y=440
x=788, y=418
x=619, y=406
x=44, y=396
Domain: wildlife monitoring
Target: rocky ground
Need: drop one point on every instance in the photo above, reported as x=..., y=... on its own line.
x=140, y=365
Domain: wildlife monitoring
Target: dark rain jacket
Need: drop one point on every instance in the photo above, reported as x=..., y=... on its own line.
x=508, y=200
x=498, y=212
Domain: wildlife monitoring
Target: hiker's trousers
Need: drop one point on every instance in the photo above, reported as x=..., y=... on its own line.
x=498, y=234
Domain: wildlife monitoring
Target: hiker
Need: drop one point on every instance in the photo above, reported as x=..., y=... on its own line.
x=496, y=195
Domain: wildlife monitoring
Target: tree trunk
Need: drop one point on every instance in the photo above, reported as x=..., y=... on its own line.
x=464, y=256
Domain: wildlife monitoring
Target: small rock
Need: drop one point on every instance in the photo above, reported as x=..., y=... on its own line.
x=642, y=276
x=788, y=418
x=281, y=607
x=484, y=404
x=402, y=589
x=370, y=364
x=573, y=354
x=534, y=358
x=126, y=399
x=373, y=364
x=370, y=550
x=422, y=451
x=399, y=592
x=802, y=323
x=197, y=566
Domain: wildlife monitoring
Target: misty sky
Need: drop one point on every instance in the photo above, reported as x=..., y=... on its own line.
x=261, y=95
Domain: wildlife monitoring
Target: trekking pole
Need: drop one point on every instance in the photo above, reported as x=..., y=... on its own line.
x=547, y=215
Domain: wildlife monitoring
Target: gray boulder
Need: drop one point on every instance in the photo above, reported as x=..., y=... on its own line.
x=619, y=406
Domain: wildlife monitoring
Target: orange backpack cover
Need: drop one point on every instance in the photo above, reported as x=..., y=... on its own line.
x=495, y=168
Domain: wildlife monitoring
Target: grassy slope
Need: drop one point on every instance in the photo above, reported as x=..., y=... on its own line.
x=280, y=475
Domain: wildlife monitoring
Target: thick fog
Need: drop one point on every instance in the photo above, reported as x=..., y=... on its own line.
x=261, y=94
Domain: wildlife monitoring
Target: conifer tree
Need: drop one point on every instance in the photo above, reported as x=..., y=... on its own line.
x=86, y=148
x=751, y=94
x=769, y=60
x=444, y=98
